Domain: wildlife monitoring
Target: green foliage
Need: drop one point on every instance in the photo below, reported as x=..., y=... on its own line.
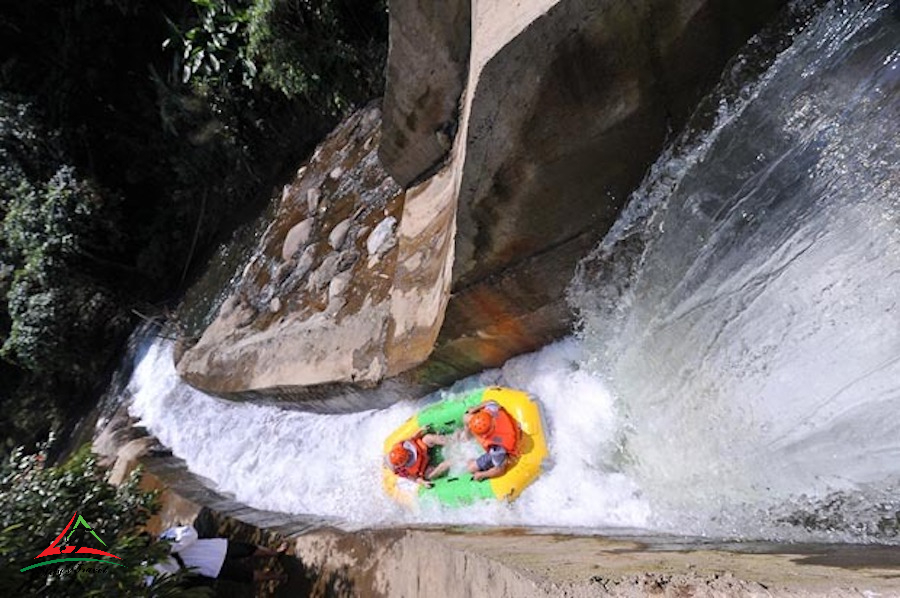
x=36, y=503
x=118, y=179
x=61, y=324
x=65, y=217
x=213, y=48
x=60, y=316
x=24, y=148
x=56, y=233
x=31, y=406
x=329, y=53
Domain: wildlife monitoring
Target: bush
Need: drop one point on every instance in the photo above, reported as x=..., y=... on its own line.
x=213, y=48
x=118, y=178
x=62, y=316
x=36, y=503
x=330, y=53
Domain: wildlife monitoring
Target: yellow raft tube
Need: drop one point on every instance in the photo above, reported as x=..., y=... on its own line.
x=446, y=417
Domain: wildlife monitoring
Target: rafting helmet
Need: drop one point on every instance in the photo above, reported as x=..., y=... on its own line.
x=481, y=423
x=400, y=455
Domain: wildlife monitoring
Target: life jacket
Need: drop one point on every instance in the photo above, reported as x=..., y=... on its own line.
x=420, y=455
x=506, y=433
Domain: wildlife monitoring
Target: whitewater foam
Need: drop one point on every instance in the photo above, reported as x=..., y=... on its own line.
x=329, y=465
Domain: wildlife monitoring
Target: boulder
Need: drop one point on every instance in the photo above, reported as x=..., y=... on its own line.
x=398, y=261
x=363, y=301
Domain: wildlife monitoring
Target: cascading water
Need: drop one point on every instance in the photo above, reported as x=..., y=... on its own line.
x=755, y=350
x=739, y=374
x=329, y=466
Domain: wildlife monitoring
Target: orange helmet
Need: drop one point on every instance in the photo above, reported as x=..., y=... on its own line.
x=481, y=423
x=399, y=456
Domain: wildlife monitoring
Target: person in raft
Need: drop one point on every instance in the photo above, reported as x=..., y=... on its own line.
x=498, y=433
x=412, y=458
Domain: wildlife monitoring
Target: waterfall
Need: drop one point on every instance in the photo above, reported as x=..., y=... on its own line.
x=753, y=342
x=736, y=372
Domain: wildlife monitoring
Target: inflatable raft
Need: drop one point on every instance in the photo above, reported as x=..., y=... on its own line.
x=446, y=417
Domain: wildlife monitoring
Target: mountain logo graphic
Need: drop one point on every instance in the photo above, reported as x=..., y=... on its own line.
x=53, y=549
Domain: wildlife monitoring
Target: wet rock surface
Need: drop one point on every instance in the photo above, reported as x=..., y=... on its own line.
x=349, y=274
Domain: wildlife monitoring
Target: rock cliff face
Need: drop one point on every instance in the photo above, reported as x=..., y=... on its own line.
x=437, y=239
x=429, y=48
x=348, y=285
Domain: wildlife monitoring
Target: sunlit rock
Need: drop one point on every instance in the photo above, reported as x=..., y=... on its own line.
x=312, y=199
x=296, y=238
x=328, y=316
x=380, y=239
x=518, y=136
x=339, y=233
x=566, y=105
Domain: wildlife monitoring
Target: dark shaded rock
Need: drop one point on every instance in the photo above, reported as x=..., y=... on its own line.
x=567, y=117
x=426, y=71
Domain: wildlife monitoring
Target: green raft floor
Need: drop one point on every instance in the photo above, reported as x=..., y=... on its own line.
x=446, y=417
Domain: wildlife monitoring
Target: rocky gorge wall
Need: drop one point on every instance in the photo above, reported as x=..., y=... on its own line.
x=435, y=236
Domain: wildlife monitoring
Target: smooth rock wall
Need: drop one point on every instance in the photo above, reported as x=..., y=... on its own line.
x=436, y=237
x=428, y=58
x=566, y=105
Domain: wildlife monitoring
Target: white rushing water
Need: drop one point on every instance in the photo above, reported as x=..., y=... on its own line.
x=330, y=465
x=738, y=375
x=756, y=348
